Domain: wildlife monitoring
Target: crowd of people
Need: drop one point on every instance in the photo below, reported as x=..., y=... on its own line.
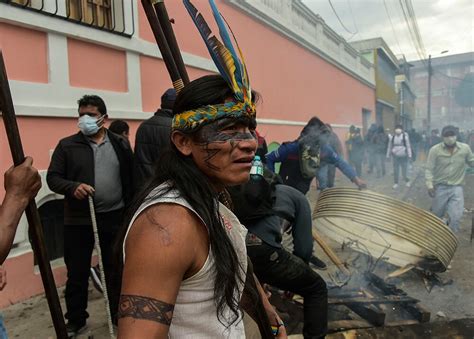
x=169, y=184
x=402, y=147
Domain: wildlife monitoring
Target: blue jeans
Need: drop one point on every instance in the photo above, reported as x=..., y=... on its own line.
x=3, y=330
x=449, y=200
x=400, y=162
x=322, y=176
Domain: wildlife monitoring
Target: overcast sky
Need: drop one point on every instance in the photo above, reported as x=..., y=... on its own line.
x=443, y=24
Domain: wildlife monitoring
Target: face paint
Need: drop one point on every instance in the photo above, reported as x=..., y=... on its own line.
x=213, y=137
x=226, y=130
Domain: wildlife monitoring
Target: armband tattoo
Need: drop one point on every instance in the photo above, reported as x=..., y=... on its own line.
x=145, y=308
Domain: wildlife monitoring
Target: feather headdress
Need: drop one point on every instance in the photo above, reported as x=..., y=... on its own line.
x=231, y=66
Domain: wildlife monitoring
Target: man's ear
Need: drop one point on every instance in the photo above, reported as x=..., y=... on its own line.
x=182, y=142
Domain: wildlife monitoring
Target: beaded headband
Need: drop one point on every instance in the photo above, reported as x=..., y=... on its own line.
x=230, y=66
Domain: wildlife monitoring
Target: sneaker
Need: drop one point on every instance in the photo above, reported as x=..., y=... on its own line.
x=318, y=263
x=408, y=184
x=395, y=186
x=74, y=329
x=95, y=277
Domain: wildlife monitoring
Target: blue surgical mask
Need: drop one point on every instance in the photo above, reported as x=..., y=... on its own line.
x=89, y=125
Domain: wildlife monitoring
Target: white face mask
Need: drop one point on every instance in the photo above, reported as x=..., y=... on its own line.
x=398, y=131
x=89, y=125
x=450, y=141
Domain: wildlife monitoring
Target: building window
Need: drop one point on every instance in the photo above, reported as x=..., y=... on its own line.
x=115, y=16
x=94, y=12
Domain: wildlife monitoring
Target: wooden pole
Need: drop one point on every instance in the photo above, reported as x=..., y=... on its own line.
x=163, y=45
x=165, y=23
x=32, y=215
x=330, y=253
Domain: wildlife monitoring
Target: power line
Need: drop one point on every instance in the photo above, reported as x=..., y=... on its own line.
x=409, y=20
x=340, y=21
x=412, y=15
x=393, y=28
x=353, y=17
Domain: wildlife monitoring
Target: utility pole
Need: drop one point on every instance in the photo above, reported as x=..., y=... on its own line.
x=428, y=117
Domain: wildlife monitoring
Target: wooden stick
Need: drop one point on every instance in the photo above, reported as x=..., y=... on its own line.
x=165, y=23
x=32, y=215
x=330, y=253
x=163, y=45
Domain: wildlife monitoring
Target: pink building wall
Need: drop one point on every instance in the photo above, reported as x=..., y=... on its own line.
x=155, y=80
x=25, y=53
x=295, y=84
x=95, y=66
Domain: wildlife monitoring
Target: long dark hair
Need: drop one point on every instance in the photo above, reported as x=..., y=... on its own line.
x=183, y=175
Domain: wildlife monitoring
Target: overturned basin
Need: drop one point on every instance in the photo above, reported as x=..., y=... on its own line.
x=398, y=232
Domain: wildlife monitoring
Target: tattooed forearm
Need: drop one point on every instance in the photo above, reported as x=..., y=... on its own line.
x=145, y=308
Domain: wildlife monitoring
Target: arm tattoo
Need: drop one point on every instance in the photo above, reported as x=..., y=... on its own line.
x=145, y=308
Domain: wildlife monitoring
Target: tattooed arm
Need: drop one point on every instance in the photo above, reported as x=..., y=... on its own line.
x=165, y=245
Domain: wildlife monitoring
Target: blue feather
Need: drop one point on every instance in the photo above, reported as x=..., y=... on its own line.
x=211, y=42
x=227, y=40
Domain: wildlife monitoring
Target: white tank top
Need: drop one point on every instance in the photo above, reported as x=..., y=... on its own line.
x=195, y=312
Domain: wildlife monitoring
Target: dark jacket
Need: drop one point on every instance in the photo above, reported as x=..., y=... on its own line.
x=290, y=170
x=380, y=141
x=255, y=199
x=253, y=202
x=73, y=163
x=153, y=137
x=357, y=154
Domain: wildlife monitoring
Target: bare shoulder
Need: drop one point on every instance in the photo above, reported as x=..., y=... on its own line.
x=161, y=248
x=164, y=225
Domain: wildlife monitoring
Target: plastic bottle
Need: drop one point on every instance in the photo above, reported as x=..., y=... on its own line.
x=256, y=172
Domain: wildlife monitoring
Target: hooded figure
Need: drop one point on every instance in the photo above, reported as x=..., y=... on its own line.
x=301, y=159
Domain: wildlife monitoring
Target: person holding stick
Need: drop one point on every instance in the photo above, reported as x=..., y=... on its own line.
x=185, y=261
x=93, y=162
x=22, y=183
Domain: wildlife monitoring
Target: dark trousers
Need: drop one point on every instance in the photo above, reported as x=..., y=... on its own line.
x=285, y=271
x=358, y=166
x=78, y=246
x=292, y=205
x=400, y=162
x=372, y=159
x=380, y=164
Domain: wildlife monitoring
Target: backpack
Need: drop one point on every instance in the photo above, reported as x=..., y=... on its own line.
x=403, y=140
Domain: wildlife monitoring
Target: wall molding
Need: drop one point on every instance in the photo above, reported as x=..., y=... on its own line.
x=40, y=22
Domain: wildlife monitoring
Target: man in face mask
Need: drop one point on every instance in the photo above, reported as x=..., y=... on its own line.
x=399, y=149
x=445, y=170
x=93, y=162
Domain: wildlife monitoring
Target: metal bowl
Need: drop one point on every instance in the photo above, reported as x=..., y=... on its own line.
x=398, y=232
